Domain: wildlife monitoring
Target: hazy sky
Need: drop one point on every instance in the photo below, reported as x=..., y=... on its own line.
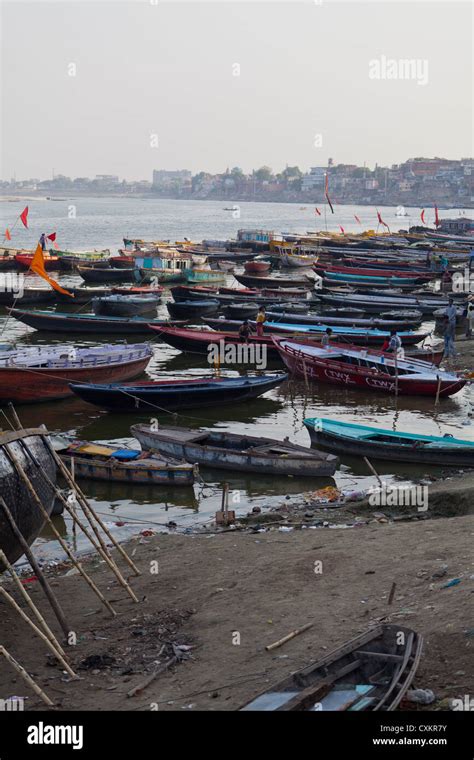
x=166, y=68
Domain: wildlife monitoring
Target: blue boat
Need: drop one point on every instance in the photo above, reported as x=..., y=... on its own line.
x=376, y=336
x=379, y=443
x=165, y=395
x=363, y=278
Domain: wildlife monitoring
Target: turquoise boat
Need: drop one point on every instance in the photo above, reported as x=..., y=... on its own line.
x=373, y=336
x=198, y=276
x=361, y=278
x=379, y=443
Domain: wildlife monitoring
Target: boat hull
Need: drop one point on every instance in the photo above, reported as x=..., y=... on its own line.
x=24, y=509
x=90, y=323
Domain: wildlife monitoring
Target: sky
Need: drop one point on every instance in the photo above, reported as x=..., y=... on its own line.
x=127, y=87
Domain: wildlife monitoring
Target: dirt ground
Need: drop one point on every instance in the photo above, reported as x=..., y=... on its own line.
x=227, y=595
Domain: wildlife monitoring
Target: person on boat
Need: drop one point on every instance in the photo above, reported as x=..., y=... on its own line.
x=42, y=241
x=395, y=342
x=449, y=337
x=447, y=281
x=244, y=331
x=470, y=317
x=261, y=319
x=326, y=339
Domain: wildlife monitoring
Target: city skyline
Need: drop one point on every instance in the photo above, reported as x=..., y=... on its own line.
x=127, y=87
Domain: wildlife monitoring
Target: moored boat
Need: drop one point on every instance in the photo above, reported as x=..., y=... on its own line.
x=242, y=452
x=56, y=321
x=378, y=443
x=192, y=309
x=176, y=394
x=198, y=341
x=25, y=380
x=107, y=274
x=259, y=281
x=257, y=266
x=126, y=305
x=97, y=461
x=352, y=368
x=371, y=672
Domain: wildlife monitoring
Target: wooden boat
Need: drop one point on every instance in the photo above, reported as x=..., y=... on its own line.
x=240, y=311
x=192, y=309
x=26, y=382
x=198, y=276
x=371, y=672
x=25, y=260
x=176, y=394
x=81, y=295
x=311, y=319
x=370, y=337
x=259, y=281
x=192, y=292
x=107, y=274
x=28, y=295
x=57, y=321
x=296, y=261
x=256, y=266
x=126, y=305
x=396, y=446
x=354, y=368
x=256, y=294
x=96, y=461
x=69, y=260
x=197, y=341
x=233, y=451
x=160, y=274
x=368, y=284
x=35, y=458
x=376, y=303
x=358, y=272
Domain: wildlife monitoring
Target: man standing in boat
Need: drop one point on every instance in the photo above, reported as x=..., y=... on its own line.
x=244, y=331
x=326, y=339
x=395, y=342
x=261, y=319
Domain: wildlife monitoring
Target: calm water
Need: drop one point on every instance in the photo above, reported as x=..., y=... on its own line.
x=102, y=223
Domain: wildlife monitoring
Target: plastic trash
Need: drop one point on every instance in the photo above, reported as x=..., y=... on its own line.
x=421, y=696
x=453, y=582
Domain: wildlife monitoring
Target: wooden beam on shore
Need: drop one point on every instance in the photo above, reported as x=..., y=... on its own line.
x=26, y=676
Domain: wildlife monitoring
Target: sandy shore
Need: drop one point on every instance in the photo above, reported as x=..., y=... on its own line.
x=213, y=591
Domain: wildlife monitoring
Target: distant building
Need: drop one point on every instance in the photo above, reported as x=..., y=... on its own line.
x=314, y=178
x=163, y=179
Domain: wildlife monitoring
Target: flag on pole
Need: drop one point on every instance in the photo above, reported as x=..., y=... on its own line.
x=37, y=266
x=357, y=219
x=342, y=230
x=24, y=217
x=317, y=211
x=381, y=221
x=437, y=222
x=422, y=216
x=326, y=192
x=7, y=234
x=52, y=237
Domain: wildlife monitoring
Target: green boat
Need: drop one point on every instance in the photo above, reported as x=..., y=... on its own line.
x=198, y=276
x=378, y=443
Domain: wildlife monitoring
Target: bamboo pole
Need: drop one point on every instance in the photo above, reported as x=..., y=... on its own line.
x=52, y=647
x=288, y=637
x=373, y=470
x=47, y=630
x=88, y=508
x=16, y=418
x=26, y=677
x=36, y=568
x=438, y=390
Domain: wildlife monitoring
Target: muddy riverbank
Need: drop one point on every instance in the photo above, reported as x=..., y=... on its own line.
x=220, y=598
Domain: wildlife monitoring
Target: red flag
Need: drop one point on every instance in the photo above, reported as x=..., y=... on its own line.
x=342, y=230
x=381, y=221
x=437, y=222
x=317, y=211
x=7, y=234
x=422, y=216
x=52, y=236
x=357, y=219
x=24, y=217
x=326, y=192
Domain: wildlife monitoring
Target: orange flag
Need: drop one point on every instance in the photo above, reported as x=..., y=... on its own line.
x=37, y=266
x=7, y=234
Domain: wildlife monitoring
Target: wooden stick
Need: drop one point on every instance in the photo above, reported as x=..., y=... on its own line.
x=38, y=632
x=373, y=470
x=36, y=569
x=160, y=669
x=47, y=630
x=392, y=593
x=66, y=548
x=290, y=636
x=438, y=390
x=88, y=508
x=26, y=677
x=16, y=419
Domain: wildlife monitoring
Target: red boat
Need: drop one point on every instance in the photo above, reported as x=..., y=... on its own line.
x=24, y=260
x=138, y=289
x=44, y=374
x=257, y=267
x=369, y=370
x=321, y=268
x=198, y=341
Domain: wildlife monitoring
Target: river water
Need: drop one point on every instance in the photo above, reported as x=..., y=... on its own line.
x=102, y=222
